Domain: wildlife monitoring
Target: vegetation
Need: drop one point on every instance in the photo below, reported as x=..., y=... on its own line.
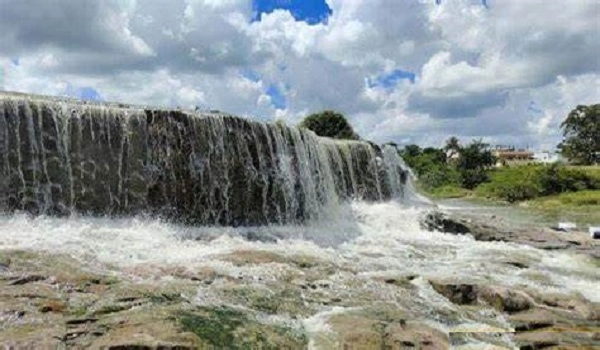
x=526, y=182
x=458, y=171
x=581, y=131
x=474, y=162
x=330, y=124
x=437, y=168
x=582, y=207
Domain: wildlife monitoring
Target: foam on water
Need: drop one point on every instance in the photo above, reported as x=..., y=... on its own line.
x=374, y=239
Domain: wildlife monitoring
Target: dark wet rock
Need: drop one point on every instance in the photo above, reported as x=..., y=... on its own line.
x=505, y=299
x=79, y=321
x=52, y=306
x=437, y=221
x=27, y=279
x=489, y=228
x=461, y=294
x=254, y=236
x=517, y=264
x=500, y=298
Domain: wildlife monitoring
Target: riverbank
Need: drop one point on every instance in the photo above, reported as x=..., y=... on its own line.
x=582, y=208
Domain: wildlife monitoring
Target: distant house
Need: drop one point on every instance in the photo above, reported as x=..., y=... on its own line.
x=509, y=155
x=547, y=157
x=452, y=155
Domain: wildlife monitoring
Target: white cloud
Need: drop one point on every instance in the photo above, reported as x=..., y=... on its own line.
x=477, y=68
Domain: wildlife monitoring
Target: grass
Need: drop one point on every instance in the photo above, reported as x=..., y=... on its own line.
x=591, y=170
x=448, y=191
x=582, y=207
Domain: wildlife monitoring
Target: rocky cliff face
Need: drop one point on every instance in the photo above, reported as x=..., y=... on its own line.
x=64, y=156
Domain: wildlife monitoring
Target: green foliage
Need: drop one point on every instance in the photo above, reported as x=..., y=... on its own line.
x=433, y=169
x=581, y=131
x=430, y=166
x=473, y=170
x=439, y=175
x=448, y=191
x=452, y=146
x=512, y=184
x=473, y=164
x=558, y=179
x=329, y=124
x=530, y=181
x=582, y=207
x=581, y=198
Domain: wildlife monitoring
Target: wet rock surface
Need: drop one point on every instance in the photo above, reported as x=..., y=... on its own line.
x=72, y=307
x=491, y=228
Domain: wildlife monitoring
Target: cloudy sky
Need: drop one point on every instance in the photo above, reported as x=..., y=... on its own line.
x=409, y=71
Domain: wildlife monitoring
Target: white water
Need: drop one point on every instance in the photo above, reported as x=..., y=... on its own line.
x=370, y=240
x=381, y=239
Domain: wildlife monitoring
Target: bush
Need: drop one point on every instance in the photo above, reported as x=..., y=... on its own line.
x=474, y=163
x=448, y=191
x=511, y=193
x=531, y=181
x=438, y=176
x=329, y=124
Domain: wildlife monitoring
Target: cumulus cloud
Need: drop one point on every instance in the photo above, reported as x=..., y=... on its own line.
x=478, y=70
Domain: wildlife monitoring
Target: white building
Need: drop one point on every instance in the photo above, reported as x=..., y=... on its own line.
x=547, y=157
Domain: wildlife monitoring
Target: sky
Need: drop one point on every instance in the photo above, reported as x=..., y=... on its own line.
x=405, y=71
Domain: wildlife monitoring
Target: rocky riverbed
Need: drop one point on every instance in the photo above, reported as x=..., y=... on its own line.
x=380, y=281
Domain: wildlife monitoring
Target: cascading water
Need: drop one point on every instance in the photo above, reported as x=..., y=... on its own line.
x=65, y=156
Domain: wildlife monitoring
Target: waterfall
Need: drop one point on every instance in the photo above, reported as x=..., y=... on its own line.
x=62, y=156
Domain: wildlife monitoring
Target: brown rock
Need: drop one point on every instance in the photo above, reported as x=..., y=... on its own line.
x=501, y=298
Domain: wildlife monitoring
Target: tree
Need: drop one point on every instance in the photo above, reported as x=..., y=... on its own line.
x=330, y=124
x=474, y=162
x=452, y=147
x=581, y=135
x=410, y=151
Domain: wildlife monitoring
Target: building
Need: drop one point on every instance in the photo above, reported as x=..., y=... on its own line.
x=547, y=157
x=509, y=155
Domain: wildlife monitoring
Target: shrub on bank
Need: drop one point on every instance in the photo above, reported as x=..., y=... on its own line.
x=520, y=183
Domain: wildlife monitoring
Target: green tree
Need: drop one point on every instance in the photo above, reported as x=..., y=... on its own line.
x=473, y=164
x=452, y=146
x=581, y=135
x=410, y=151
x=329, y=124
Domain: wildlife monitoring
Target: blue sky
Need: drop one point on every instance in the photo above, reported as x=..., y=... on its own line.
x=277, y=98
x=309, y=11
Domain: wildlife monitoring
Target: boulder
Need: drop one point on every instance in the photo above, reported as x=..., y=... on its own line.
x=438, y=221
x=500, y=298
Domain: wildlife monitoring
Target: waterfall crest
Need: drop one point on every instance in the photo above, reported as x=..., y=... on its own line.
x=62, y=156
